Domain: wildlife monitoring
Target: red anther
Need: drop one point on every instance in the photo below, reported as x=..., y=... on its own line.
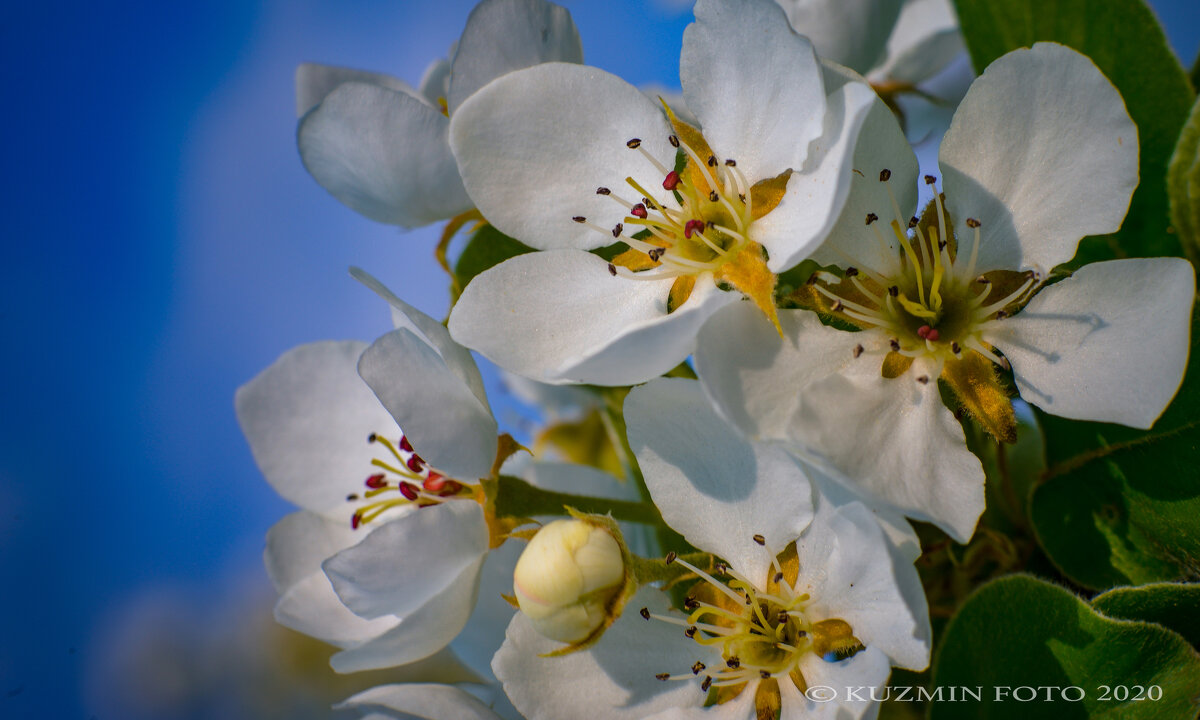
x=408, y=490
x=693, y=226
x=415, y=463
x=355, y=519
x=923, y=331
x=376, y=481
x=405, y=445
x=933, y=335
x=638, y=210
x=435, y=482
x=671, y=181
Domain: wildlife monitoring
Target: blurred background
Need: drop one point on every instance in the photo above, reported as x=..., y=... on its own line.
x=161, y=245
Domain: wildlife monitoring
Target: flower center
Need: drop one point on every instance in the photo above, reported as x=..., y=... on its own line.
x=924, y=295
x=698, y=222
x=404, y=474
x=763, y=633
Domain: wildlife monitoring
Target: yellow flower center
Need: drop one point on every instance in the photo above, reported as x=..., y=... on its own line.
x=698, y=222
x=763, y=631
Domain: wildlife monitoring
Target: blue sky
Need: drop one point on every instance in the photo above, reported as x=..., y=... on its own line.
x=163, y=244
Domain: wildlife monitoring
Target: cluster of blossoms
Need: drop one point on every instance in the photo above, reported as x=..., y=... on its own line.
x=764, y=224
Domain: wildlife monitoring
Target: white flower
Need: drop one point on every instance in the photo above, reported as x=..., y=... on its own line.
x=380, y=147
x=893, y=43
x=797, y=604
x=568, y=159
x=1040, y=153
x=316, y=431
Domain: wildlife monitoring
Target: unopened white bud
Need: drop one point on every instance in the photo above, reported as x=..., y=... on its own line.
x=566, y=578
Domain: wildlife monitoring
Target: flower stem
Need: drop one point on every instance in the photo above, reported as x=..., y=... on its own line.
x=517, y=498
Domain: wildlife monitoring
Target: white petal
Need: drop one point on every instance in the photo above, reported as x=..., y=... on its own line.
x=420, y=634
x=314, y=82
x=300, y=542
x=559, y=316
x=1109, y=343
x=881, y=146
x=743, y=364
x=457, y=357
x=925, y=39
x=483, y=634
x=848, y=569
x=754, y=85
x=398, y=567
x=896, y=441
x=506, y=35
x=313, y=608
x=850, y=681
x=818, y=190
x=534, y=145
x=307, y=418
x=614, y=679
x=442, y=418
x=419, y=701
x=435, y=83
x=712, y=486
x=384, y=154
x=1042, y=152
x=902, y=538
x=849, y=32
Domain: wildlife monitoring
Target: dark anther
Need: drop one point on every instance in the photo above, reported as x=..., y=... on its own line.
x=656, y=253
x=351, y=497
x=973, y=223
x=690, y=603
x=663, y=676
x=690, y=631
x=731, y=162
x=858, y=350
x=617, y=229
x=712, y=160
x=713, y=196
x=603, y=191
x=837, y=306
x=929, y=179
x=982, y=280
x=959, y=412
x=579, y=219
x=742, y=197
x=941, y=244
x=885, y=175
x=851, y=271
x=954, y=348
x=634, y=143
x=1000, y=314
x=645, y=613
x=372, y=438
x=781, y=618
x=913, y=222
x=778, y=576
x=671, y=557
x=733, y=662
x=698, y=667
x=871, y=217
x=924, y=379
x=894, y=290
x=612, y=269
x=895, y=345
x=673, y=140
x=764, y=674
x=721, y=568
x=704, y=686
x=760, y=540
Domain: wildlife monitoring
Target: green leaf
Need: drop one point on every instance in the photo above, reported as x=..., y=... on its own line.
x=1173, y=605
x=1021, y=632
x=1121, y=506
x=1126, y=42
x=1183, y=186
x=488, y=247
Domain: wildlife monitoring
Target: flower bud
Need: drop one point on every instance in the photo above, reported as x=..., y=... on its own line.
x=566, y=578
